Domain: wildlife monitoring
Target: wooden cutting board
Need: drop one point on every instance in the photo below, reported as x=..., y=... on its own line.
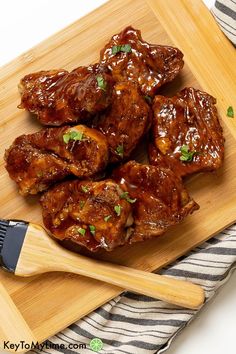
x=51, y=302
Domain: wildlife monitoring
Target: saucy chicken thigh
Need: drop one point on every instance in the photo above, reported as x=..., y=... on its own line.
x=126, y=122
x=140, y=202
x=161, y=199
x=129, y=57
x=91, y=214
x=186, y=133
x=35, y=161
x=60, y=97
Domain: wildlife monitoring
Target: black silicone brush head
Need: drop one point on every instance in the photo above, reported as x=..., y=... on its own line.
x=3, y=229
x=12, y=235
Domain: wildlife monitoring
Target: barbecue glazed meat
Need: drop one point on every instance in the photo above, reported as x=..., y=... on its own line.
x=35, y=161
x=187, y=136
x=142, y=203
x=150, y=65
x=90, y=214
x=58, y=97
x=126, y=122
x=161, y=199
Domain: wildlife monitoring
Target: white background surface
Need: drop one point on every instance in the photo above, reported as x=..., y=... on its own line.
x=25, y=23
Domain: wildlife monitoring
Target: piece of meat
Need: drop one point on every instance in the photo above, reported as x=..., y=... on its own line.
x=126, y=122
x=37, y=160
x=186, y=134
x=129, y=57
x=90, y=214
x=60, y=97
x=159, y=199
x=140, y=202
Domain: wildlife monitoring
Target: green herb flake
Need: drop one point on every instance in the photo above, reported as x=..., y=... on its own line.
x=66, y=138
x=81, y=231
x=40, y=174
x=81, y=204
x=78, y=136
x=84, y=189
x=101, y=82
x=186, y=155
x=125, y=195
x=148, y=99
x=120, y=150
x=73, y=135
x=126, y=48
x=117, y=209
x=107, y=218
x=92, y=229
x=230, y=112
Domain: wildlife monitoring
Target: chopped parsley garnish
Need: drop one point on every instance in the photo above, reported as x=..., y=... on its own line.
x=84, y=189
x=126, y=48
x=81, y=204
x=186, y=155
x=125, y=195
x=101, y=82
x=230, y=112
x=66, y=138
x=78, y=136
x=92, y=229
x=73, y=135
x=81, y=231
x=120, y=150
x=107, y=218
x=148, y=99
x=117, y=209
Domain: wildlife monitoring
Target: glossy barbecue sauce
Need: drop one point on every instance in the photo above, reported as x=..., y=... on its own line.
x=58, y=97
x=126, y=122
x=161, y=198
x=35, y=161
x=91, y=214
x=186, y=122
x=147, y=64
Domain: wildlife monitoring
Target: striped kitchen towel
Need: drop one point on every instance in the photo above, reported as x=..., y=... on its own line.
x=135, y=324
x=224, y=12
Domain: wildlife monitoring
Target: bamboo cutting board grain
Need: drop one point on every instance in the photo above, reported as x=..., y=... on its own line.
x=50, y=302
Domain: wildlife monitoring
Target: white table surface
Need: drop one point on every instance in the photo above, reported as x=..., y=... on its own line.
x=25, y=23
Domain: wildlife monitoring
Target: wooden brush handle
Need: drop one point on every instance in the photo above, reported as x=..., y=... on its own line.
x=13, y=327
x=41, y=254
x=174, y=291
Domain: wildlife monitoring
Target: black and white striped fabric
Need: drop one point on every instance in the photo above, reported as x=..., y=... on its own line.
x=134, y=324
x=224, y=12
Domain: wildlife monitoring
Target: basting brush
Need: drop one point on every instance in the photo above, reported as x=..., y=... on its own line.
x=26, y=250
